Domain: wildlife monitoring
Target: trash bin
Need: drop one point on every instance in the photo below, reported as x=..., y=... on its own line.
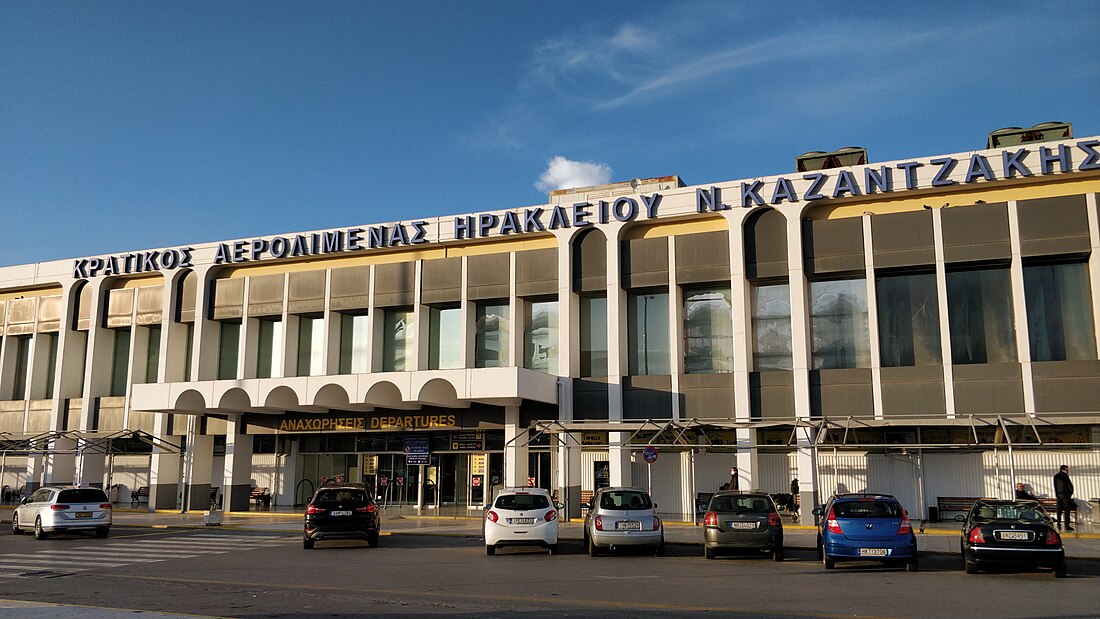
x=933, y=513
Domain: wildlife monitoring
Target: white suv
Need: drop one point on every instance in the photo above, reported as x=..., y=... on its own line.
x=521, y=517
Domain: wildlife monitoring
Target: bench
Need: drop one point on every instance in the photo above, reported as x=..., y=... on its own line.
x=261, y=496
x=702, y=501
x=586, y=499
x=138, y=495
x=954, y=503
x=1050, y=504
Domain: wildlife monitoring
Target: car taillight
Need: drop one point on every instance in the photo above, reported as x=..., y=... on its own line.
x=656, y=522
x=106, y=506
x=59, y=507
x=832, y=524
x=313, y=509
x=492, y=516
x=367, y=509
x=774, y=520
x=1053, y=539
x=976, y=536
x=598, y=523
x=711, y=519
x=906, y=527
x=551, y=515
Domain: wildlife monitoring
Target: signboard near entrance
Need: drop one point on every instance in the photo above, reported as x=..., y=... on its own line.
x=370, y=465
x=477, y=464
x=416, y=449
x=468, y=441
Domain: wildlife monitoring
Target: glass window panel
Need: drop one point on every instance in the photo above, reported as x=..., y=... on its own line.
x=593, y=336
x=839, y=333
x=708, y=331
x=540, y=337
x=398, y=340
x=269, y=360
x=311, y=345
x=771, y=327
x=491, y=341
x=152, y=355
x=354, y=353
x=51, y=363
x=980, y=316
x=22, y=366
x=228, y=348
x=120, y=366
x=648, y=337
x=445, y=338
x=1059, y=312
x=908, y=320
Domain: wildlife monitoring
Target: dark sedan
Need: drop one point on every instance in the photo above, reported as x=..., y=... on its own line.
x=341, y=512
x=1010, y=533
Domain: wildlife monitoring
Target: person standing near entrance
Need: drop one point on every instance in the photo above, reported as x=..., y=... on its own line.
x=734, y=484
x=1063, y=492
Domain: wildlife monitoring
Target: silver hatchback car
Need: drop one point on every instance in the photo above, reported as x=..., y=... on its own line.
x=622, y=517
x=63, y=508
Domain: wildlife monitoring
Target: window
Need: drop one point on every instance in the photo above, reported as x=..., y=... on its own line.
x=269, y=349
x=648, y=338
x=398, y=340
x=49, y=340
x=444, y=338
x=593, y=336
x=491, y=340
x=908, y=320
x=354, y=354
x=120, y=364
x=311, y=345
x=189, y=337
x=980, y=316
x=838, y=324
x=22, y=366
x=228, y=348
x=1059, y=312
x=152, y=354
x=771, y=327
x=540, y=336
x=708, y=331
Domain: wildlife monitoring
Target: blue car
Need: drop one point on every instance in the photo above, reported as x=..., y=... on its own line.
x=865, y=527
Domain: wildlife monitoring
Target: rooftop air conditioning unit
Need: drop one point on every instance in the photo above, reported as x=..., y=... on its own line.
x=1042, y=132
x=820, y=160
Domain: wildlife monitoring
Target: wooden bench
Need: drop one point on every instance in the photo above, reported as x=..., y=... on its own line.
x=138, y=495
x=1050, y=504
x=954, y=504
x=261, y=496
x=702, y=501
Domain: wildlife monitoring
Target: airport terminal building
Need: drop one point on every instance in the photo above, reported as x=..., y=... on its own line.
x=925, y=327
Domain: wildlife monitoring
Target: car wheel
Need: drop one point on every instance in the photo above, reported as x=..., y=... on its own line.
x=1060, y=571
x=820, y=549
x=554, y=549
x=372, y=541
x=307, y=544
x=102, y=532
x=971, y=567
x=829, y=563
x=39, y=532
x=777, y=555
x=911, y=566
x=490, y=549
x=708, y=553
x=659, y=550
x=15, y=530
x=593, y=549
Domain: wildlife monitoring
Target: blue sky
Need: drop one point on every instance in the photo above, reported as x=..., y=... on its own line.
x=136, y=125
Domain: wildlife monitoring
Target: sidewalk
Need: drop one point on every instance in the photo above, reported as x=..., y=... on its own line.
x=940, y=538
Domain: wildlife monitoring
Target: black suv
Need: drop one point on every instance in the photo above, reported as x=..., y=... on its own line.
x=342, y=512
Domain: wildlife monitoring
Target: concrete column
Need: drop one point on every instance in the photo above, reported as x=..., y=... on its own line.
x=68, y=378
x=808, y=491
x=1094, y=260
x=618, y=451
x=872, y=316
x=941, y=306
x=90, y=467
x=1019, y=308
x=569, y=450
x=515, y=449
x=207, y=333
x=238, y=467
x=748, y=461
x=55, y=468
x=198, y=467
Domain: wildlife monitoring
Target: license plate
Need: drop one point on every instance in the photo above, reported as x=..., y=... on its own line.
x=741, y=525
x=1014, y=535
x=630, y=525
x=872, y=552
x=83, y=514
x=341, y=512
x=521, y=521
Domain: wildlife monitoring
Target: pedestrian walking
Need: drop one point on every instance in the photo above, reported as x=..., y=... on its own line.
x=1063, y=492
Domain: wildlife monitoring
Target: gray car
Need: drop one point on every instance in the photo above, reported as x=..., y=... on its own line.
x=63, y=508
x=620, y=517
x=742, y=521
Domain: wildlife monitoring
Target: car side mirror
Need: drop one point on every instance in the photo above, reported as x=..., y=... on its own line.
x=585, y=506
x=817, y=511
x=23, y=501
x=655, y=506
x=559, y=506
x=960, y=518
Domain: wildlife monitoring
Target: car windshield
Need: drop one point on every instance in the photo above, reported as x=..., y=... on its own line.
x=741, y=504
x=340, y=495
x=867, y=509
x=625, y=499
x=1031, y=513
x=521, y=502
x=82, y=495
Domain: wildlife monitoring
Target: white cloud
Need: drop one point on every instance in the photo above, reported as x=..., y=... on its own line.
x=562, y=173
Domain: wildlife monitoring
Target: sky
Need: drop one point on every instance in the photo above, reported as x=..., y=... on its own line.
x=137, y=125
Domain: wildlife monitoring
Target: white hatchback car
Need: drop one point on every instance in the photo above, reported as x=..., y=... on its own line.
x=521, y=517
x=63, y=508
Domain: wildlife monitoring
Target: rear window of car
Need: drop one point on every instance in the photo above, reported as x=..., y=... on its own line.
x=521, y=502
x=625, y=499
x=1032, y=513
x=82, y=495
x=867, y=509
x=743, y=504
x=340, y=496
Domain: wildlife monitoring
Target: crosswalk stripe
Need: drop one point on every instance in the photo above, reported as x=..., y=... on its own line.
x=92, y=555
x=30, y=563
